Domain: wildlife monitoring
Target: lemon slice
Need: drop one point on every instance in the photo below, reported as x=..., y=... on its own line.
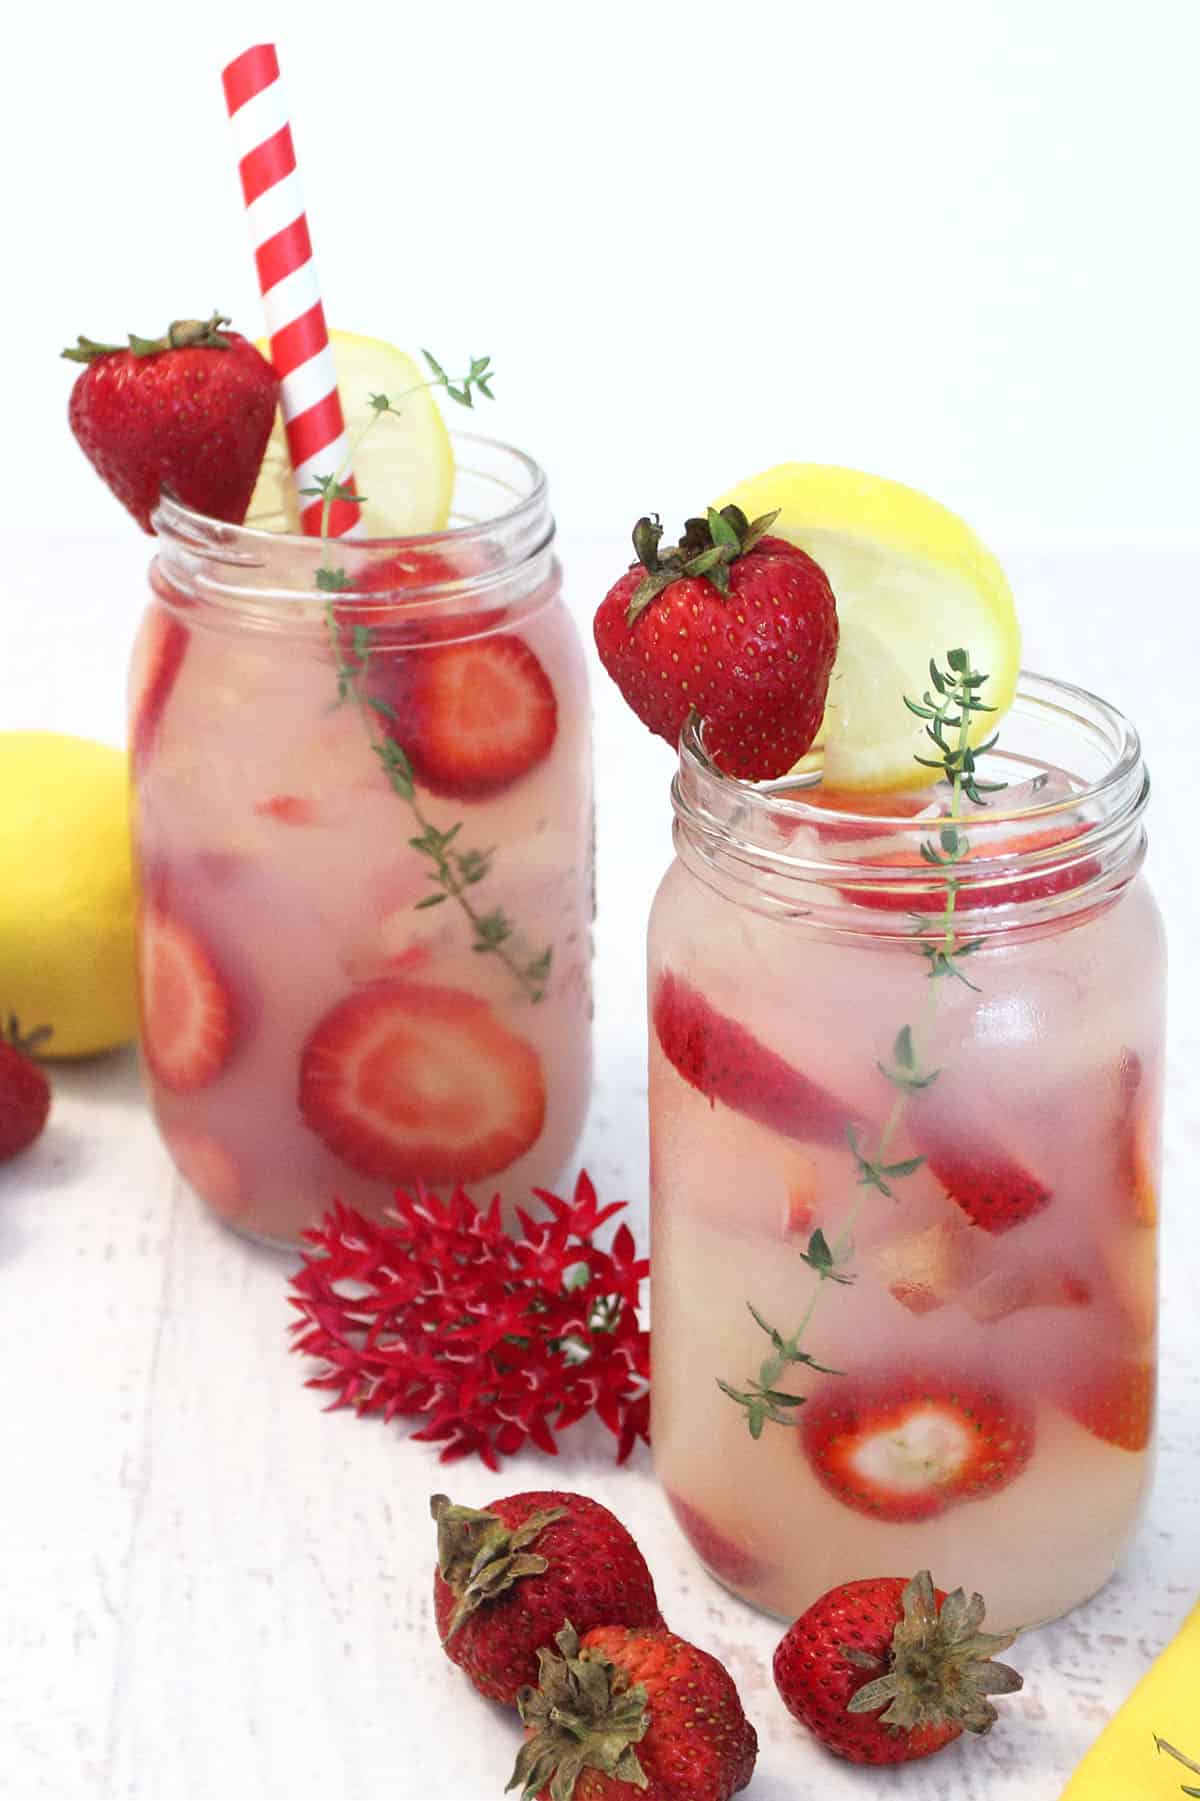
x=405, y=467
x=912, y=581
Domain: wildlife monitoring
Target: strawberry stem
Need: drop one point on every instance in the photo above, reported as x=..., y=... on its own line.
x=181, y=334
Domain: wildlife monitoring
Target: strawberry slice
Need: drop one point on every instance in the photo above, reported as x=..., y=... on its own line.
x=287, y=809
x=907, y=1447
x=1139, y=1143
x=991, y=1186
x=398, y=622
x=161, y=649
x=208, y=1166
x=1116, y=1402
x=410, y=1082
x=1004, y=1292
x=188, y=1025
x=474, y=717
x=928, y=896
x=728, y=1561
x=924, y=1270
x=728, y=1064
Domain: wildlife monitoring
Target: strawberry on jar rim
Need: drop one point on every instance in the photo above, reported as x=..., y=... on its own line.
x=883, y=1671
x=188, y=414
x=731, y=624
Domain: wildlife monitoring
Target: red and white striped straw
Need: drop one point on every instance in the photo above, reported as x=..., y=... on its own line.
x=287, y=276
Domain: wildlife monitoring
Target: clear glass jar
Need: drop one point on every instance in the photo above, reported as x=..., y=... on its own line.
x=935, y=1178
x=363, y=825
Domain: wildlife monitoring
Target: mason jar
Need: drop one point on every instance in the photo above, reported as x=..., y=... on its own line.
x=363, y=832
x=906, y=1080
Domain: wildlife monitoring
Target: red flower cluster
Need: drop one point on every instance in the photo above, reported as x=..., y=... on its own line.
x=495, y=1339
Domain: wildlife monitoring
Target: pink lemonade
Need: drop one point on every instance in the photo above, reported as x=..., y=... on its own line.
x=363, y=828
x=904, y=1214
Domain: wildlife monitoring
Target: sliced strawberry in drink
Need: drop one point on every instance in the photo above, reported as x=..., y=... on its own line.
x=287, y=809
x=208, y=1165
x=728, y=1064
x=1115, y=1402
x=803, y=1191
x=189, y=1028
x=473, y=717
x=924, y=1270
x=907, y=1447
x=402, y=622
x=1139, y=1146
x=729, y=1561
x=1004, y=1292
x=993, y=1188
x=410, y=1082
x=926, y=894
x=161, y=649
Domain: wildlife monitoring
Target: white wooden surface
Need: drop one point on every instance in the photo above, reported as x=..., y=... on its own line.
x=210, y=1588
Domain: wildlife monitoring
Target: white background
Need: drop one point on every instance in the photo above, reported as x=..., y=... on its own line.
x=952, y=241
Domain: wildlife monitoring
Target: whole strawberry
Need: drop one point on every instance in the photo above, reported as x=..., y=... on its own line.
x=737, y=626
x=188, y=413
x=24, y=1090
x=626, y=1710
x=508, y=1576
x=885, y=1670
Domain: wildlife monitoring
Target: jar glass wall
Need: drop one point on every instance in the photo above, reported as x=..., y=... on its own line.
x=363, y=830
x=914, y=1201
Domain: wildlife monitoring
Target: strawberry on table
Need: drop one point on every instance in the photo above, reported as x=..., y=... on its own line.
x=728, y=1064
x=905, y=1447
x=189, y=1026
x=413, y=1082
x=509, y=1574
x=733, y=624
x=627, y=1712
x=24, y=1090
x=884, y=1671
x=188, y=414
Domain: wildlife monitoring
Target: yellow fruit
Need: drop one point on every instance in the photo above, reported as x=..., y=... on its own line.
x=405, y=466
x=1124, y=1764
x=912, y=581
x=66, y=900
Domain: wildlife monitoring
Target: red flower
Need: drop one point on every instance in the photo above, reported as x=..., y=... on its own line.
x=493, y=1339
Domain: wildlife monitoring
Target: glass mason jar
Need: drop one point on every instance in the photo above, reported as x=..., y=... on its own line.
x=363, y=826
x=906, y=1169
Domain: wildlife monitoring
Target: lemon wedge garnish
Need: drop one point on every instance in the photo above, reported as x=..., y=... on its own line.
x=912, y=581
x=404, y=467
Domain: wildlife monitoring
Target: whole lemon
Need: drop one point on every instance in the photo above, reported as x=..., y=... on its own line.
x=66, y=894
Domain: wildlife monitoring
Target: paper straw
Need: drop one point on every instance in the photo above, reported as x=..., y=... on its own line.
x=287, y=277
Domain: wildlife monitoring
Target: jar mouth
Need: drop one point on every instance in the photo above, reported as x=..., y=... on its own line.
x=500, y=523
x=1068, y=832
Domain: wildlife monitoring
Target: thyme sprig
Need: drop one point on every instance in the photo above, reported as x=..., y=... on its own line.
x=949, y=708
x=453, y=870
